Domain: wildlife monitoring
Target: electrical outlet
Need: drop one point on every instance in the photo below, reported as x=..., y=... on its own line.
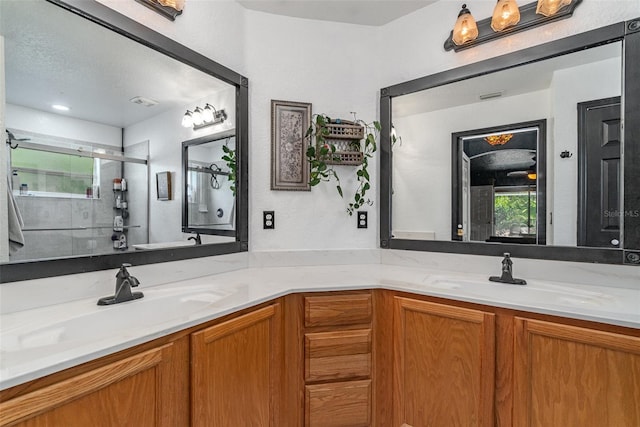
x=362, y=219
x=268, y=220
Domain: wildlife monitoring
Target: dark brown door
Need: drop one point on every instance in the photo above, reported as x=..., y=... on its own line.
x=481, y=212
x=599, y=173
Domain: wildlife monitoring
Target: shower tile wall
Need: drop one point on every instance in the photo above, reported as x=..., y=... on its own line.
x=54, y=212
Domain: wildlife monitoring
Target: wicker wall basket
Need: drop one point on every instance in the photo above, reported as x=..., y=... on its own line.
x=346, y=137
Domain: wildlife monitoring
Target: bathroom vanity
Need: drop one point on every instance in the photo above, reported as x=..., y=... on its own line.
x=365, y=345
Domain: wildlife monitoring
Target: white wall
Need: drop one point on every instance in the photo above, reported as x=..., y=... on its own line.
x=165, y=135
x=4, y=243
x=333, y=66
x=214, y=28
x=422, y=164
x=58, y=125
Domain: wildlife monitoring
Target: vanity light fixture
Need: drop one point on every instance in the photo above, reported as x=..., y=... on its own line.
x=506, y=14
x=507, y=18
x=170, y=9
x=203, y=117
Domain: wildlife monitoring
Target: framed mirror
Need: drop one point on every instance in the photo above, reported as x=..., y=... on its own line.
x=82, y=180
x=208, y=198
x=523, y=153
x=498, y=185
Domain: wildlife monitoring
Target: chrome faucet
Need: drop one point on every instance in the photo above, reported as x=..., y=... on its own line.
x=124, y=283
x=507, y=272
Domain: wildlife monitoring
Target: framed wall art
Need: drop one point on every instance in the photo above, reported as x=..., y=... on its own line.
x=163, y=185
x=289, y=165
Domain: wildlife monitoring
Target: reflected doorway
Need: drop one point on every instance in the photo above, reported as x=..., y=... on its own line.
x=499, y=184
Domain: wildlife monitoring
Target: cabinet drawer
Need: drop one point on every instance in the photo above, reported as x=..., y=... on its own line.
x=337, y=355
x=330, y=310
x=346, y=404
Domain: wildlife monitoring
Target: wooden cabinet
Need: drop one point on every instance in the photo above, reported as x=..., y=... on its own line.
x=443, y=367
x=572, y=376
x=146, y=389
x=236, y=371
x=337, y=339
x=353, y=359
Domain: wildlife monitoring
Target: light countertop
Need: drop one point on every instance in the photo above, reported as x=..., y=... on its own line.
x=44, y=340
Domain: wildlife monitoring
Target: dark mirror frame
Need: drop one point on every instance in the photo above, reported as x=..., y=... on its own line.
x=186, y=228
x=114, y=21
x=629, y=33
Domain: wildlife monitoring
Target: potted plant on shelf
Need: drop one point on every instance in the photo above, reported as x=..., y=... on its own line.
x=339, y=142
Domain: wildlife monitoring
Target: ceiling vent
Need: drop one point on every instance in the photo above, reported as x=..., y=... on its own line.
x=141, y=100
x=490, y=95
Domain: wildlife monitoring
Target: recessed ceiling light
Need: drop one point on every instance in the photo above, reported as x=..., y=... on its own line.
x=60, y=107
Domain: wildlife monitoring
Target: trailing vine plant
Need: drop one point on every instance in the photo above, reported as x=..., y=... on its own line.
x=320, y=151
x=229, y=158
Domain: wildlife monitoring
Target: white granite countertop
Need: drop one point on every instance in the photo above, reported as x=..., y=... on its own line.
x=44, y=340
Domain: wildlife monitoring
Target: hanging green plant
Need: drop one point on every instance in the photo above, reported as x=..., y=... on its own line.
x=229, y=158
x=338, y=142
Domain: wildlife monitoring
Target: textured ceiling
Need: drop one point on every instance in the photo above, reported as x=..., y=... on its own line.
x=363, y=12
x=53, y=56
x=511, y=82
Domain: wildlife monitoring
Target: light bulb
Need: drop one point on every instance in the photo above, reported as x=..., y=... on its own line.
x=207, y=113
x=550, y=7
x=465, y=28
x=187, y=119
x=197, y=117
x=506, y=14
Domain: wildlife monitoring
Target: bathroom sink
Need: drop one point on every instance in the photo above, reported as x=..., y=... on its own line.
x=123, y=320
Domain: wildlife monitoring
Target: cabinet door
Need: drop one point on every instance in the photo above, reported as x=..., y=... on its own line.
x=236, y=371
x=570, y=376
x=444, y=364
x=148, y=389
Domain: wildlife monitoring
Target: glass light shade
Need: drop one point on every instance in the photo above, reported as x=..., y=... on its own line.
x=499, y=139
x=175, y=4
x=197, y=117
x=506, y=14
x=465, y=28
x=187, y=119
x=550, y=7
x=207, y=113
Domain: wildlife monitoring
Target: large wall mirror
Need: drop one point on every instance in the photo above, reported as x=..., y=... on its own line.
x=94, y=114
x=533, y=153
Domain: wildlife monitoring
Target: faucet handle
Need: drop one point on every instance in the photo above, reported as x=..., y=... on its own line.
x=507, y=255
x=122, y=273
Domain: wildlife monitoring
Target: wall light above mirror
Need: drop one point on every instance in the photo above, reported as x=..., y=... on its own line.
x=581, y=88
x=507, y=19
x=170, y=9
x=107, y=76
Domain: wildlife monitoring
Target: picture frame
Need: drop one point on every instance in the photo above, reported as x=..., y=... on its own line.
x=289, y=165
x=163, y=185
